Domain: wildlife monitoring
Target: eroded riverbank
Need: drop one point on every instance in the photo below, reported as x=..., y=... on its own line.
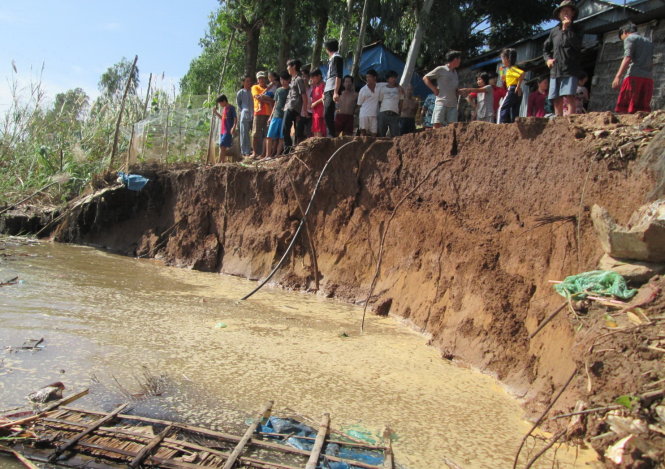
x=103, y=317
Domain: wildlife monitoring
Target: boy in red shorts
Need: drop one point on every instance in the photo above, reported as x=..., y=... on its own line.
x=227, y=126
x=637, y=87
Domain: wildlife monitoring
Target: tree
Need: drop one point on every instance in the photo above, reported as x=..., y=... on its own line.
x=287, y=20
x=321, y=18
x=112, y=82
x=414, y=50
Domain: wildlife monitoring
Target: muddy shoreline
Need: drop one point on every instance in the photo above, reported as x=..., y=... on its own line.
x=475, y=220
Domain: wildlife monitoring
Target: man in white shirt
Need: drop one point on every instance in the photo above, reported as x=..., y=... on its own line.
x=391, y=96
x=368, y=100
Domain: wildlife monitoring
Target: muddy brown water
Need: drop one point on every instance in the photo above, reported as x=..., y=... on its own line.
x=108, y=321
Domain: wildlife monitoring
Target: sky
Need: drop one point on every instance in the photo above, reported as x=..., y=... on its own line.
x=77, y=40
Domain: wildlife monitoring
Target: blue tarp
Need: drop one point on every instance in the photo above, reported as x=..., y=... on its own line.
x=133, y=182
x=382, y=60
x=296, y=429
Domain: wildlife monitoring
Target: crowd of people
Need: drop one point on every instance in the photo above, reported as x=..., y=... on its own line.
x=281, y=110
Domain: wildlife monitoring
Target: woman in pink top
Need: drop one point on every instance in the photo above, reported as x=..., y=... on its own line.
x=318, y=121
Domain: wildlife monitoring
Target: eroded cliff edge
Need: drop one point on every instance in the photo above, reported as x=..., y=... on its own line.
x=498, y=211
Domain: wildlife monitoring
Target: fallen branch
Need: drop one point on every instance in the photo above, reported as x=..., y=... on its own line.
x=553, y=440
x=547, y=320
x=542, y=416
x=22, y=459
x=587, y=411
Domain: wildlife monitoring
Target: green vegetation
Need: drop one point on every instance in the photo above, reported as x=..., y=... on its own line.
x=244, y=36
x=69, y=139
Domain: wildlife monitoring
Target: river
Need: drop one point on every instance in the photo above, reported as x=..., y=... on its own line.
x=109, y=321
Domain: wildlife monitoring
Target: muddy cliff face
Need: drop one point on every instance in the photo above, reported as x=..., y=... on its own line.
x=497, y=211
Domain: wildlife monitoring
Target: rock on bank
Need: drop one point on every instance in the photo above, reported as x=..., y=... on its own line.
x=499, y=210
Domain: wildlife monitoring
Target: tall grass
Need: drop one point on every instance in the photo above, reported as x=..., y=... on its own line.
x=42, y=141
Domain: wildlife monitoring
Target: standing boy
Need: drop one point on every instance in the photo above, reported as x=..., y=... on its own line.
x=246, y=108
x=445, y=108
x=368, y=100
x=296, y=102
x=562, y=54
x=333, y=83
x=227, y=126
x=275, y=140
x=390, y=97
x=347, y=107
x=262, y=111
x=637, y=87
x=407, y=118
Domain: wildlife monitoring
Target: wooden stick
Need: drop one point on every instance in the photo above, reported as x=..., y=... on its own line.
x=337, y=442
x=587, y=411
x=23, y=460
x=246, y=437
x=389, y=462
x=542, y=416
x=547, y=320
x=312, y=250
x=72, y=441
x=150, y=448
x=122, y=109
x=554, y=439
x=318, y=444
x=226, y=437
x=47, y=409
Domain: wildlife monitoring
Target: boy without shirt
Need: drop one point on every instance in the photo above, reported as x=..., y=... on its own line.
x=407, y=118
x=347, y=106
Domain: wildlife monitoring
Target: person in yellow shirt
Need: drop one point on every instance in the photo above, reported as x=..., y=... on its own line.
x=262, y=110
x=510, y=109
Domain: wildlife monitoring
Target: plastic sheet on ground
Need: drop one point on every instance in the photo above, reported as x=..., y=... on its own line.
x=598, y=282
x=295, y=429
x=133, y=182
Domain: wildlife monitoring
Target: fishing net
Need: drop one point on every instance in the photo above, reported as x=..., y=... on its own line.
x=599, y=282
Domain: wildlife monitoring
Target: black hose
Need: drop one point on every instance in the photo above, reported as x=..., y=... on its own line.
x=302, y=222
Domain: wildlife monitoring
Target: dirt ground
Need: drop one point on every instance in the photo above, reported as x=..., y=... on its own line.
x=469, y=222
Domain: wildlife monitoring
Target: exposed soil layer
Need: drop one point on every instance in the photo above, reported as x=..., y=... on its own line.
x=498, y=211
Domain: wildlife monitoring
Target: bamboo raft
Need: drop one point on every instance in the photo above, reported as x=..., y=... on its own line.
x=73, y=437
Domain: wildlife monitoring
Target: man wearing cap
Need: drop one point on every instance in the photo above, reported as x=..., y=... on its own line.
x=562, y=54
x=262, y=110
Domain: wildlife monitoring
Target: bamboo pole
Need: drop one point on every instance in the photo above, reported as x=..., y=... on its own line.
x=312, y=250
x=47, y=409
x=122, y=109
x=247, y=436
x=147, y=97
x=210, y=159
x=226, y=437
x=226, y=58
x=318, y=444
x=149, y=448
x=72, y=441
